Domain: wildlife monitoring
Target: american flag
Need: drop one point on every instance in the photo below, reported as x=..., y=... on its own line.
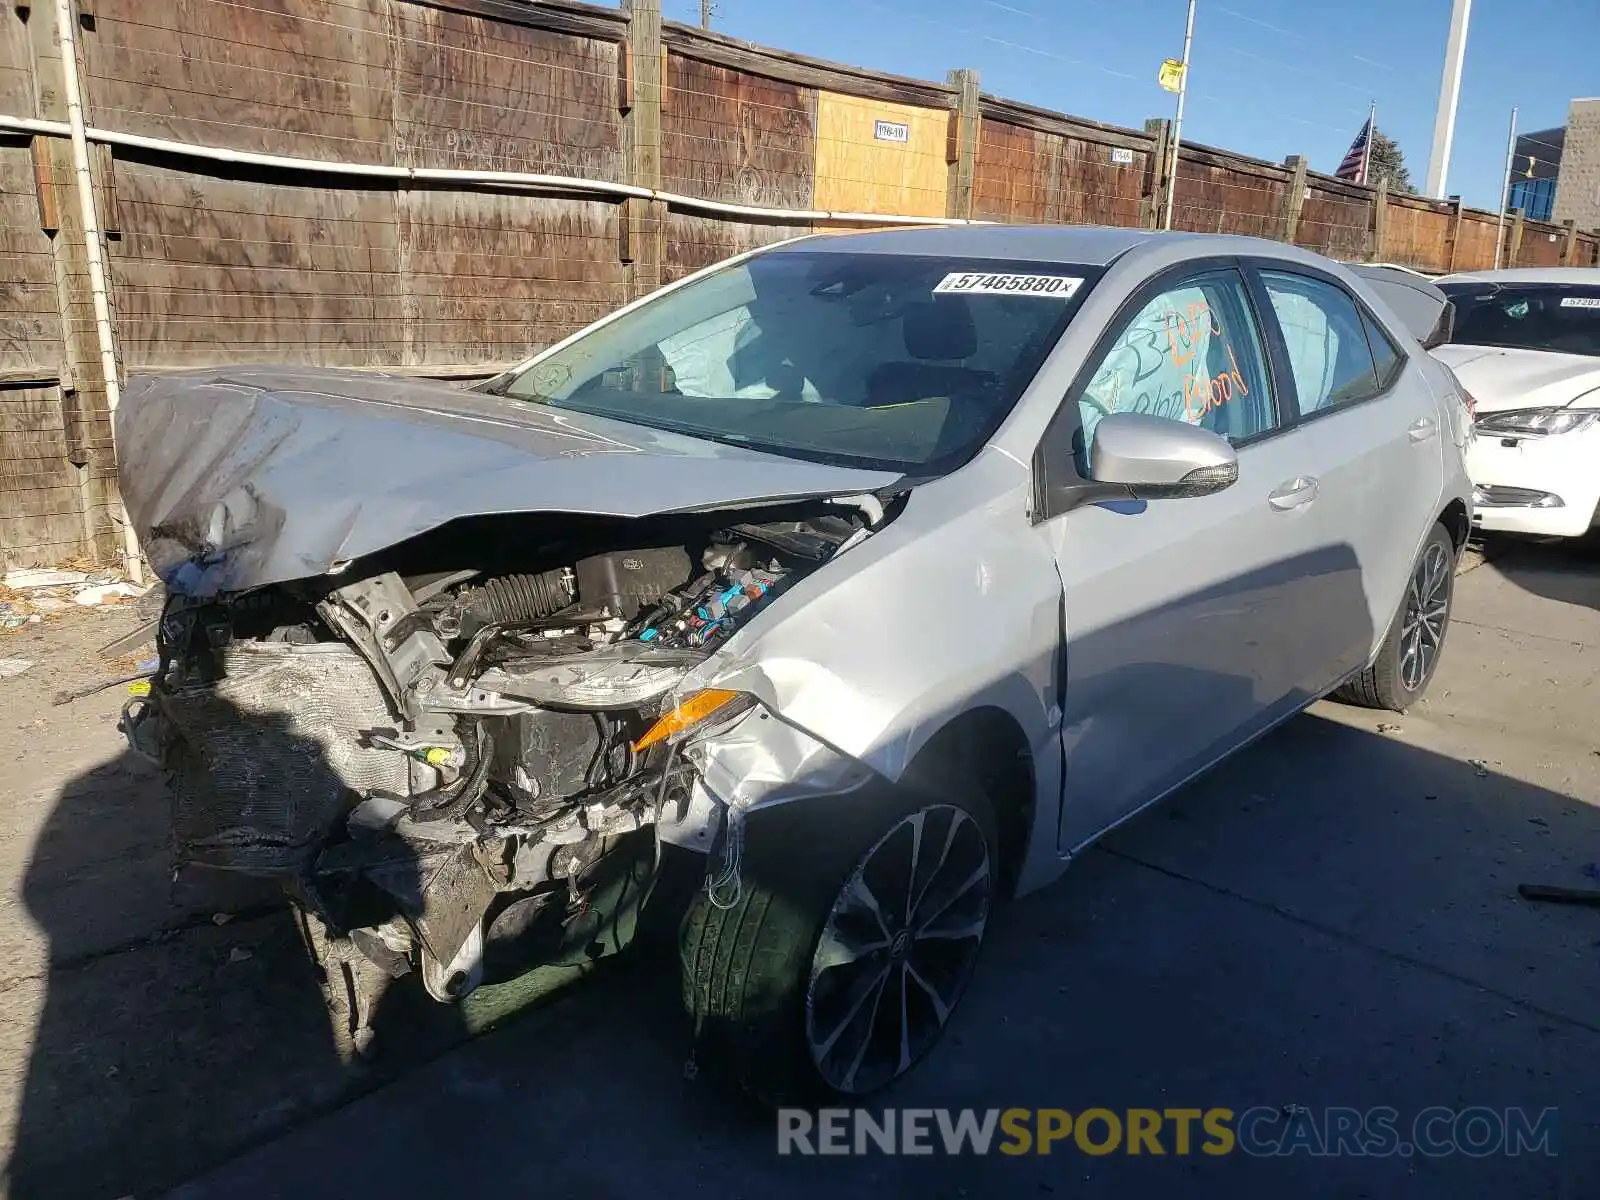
x=1354, y=166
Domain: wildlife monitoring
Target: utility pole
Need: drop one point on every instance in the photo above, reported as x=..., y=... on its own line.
x=1444, y=122
x=1505, y=190
x=1177, y=124
x=708, y=9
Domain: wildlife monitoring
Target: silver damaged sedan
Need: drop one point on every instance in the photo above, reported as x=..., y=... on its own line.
x=860, y=581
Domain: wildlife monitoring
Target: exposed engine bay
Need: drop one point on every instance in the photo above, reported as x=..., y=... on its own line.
x=437, y=749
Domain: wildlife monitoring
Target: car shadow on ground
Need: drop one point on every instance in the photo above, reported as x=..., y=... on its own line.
x=1329, y=918
x=1567, y=570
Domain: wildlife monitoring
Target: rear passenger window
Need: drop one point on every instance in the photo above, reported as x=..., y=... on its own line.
x=1327, y=343
x=1389, y=361
x=1191, y=354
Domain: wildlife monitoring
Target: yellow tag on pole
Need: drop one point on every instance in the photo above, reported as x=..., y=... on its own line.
x=1171, y=75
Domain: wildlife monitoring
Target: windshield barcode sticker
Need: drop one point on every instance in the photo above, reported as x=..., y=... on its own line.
x=974, y=283
x=1580, y=302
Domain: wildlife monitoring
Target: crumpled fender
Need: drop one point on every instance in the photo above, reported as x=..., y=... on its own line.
x=861, y=670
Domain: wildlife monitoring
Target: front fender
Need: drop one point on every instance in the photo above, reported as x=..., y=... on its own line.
x=950, y=608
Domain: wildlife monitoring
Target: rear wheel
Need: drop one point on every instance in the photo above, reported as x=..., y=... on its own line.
x=1405, y=663
x=850, y=944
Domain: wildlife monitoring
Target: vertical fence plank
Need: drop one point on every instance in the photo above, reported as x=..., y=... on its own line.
x=645, y=220
x=1380, y=222
x=1159, y=177
x=963, y=151
x=1294, y=196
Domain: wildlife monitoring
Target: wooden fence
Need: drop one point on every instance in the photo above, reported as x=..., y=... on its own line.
x=440, y=186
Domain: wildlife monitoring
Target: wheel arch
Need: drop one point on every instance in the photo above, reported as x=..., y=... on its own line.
x=991, y=740
x=1458, y=521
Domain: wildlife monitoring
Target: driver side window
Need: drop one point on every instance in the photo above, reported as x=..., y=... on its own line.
x=1191, y=354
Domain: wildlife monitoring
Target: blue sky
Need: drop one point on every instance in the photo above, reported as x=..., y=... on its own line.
x=1269, y=77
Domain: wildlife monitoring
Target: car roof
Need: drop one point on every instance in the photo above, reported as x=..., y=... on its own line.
x=1589, y=275
x=1085, y=245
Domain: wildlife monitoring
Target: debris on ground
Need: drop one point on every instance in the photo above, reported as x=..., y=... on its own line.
x=106, y=593
x=1388, y=727
x=30, y=578
x=238, y=954
x=143, y=635
x=1589, y=897
x=1481, y=767
x=100, y=685
x=12, y=667
x=28, y=595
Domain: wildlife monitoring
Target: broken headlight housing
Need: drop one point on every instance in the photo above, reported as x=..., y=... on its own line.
x=623, y=676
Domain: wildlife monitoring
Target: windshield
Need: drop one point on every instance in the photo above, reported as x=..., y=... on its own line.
x=891, y=361
x=1527, y=316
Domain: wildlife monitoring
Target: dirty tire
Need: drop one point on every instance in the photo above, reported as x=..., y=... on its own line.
x=748, y=968
x=1390, y=681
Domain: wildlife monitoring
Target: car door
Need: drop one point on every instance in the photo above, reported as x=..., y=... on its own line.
x=1374, y=427
x=1185, y=618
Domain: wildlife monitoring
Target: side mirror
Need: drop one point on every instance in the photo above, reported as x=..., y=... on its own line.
x=1155, y=458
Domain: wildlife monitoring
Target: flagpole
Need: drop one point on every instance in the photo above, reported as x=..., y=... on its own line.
x=1366, y=154
x=1177, y=124
x=1444, y=122
x=1505, y=190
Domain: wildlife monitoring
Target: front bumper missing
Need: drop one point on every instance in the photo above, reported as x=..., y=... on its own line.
x=755, y=761
x=276, y=773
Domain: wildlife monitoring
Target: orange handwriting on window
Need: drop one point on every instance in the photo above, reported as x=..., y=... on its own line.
x=1203, y=394
x=1184, y=329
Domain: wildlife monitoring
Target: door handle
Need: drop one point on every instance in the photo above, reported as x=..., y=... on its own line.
x=1422, y=429
x=1296, y=493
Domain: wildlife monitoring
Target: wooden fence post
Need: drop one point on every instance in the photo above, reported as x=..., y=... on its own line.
x=641, y=223
x=1294, y=197
x=1452, y=237
x=961, y=143
x=1568, y=242
x=1158, y=176
x=85, y=418
x=1380, y=221
x=1514, y=239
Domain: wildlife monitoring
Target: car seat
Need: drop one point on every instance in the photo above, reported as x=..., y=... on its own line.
x=935, y=333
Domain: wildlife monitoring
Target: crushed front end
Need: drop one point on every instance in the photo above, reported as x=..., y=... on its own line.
x=445, y=763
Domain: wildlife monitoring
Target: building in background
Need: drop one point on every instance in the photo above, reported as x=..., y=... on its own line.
x=1578, y=179
x=1533, y=172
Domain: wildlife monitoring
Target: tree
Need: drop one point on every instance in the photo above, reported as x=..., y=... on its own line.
x=1387, y=162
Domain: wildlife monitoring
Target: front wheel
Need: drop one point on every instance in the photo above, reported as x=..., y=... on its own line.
x=849, y=945
x=1406, y=661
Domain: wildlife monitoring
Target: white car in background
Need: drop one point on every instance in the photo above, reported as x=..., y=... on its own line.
x=1526, y=345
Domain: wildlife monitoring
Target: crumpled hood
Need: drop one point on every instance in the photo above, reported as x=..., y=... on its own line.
x=242, y=476
x=1500, y=379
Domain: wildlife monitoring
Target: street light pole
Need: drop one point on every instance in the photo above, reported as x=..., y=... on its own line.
x=1444, y=121
x=1177, y=123
x=1505, y=190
